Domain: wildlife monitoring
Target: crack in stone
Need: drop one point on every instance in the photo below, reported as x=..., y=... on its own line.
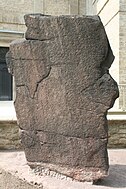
x=20, y=85
x=71, y=137
x=49, y=39
x=38, y=82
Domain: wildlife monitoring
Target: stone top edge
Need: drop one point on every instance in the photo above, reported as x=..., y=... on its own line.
x=39, y=15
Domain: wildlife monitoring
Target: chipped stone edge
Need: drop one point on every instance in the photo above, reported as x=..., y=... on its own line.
x=86, y=174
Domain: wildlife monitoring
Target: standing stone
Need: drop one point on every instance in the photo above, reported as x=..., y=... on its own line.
x=63, y=92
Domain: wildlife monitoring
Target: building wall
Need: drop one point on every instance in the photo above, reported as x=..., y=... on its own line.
x=56, y=7
x=108, y=10
x=11, y=14
x=122, y=54
x=114, y=21
x=12, y=18
x=117, y=134
x=113, y=16
x=9, y=135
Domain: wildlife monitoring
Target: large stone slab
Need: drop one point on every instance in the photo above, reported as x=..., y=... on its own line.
x=63, y=92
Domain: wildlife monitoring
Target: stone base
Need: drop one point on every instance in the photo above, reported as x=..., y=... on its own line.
x=16, y=174
x=89, y=174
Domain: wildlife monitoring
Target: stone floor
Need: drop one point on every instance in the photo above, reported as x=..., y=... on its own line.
x=15, y=174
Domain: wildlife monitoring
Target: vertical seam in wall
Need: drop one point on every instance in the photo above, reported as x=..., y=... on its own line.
x=119, y=49
x=34, y=6
x=103, y=6
x=70, y=7
x=43, y=6
x=111, y=18
x=119, y=56
x=94, y=1
x=78, y=7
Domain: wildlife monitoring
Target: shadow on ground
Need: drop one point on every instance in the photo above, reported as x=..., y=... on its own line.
x=116, y=178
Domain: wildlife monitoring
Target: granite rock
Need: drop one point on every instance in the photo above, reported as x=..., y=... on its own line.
x=63, y=92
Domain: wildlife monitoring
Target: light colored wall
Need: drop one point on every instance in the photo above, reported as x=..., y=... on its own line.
x=117, y=134
x=90, y=7
x=12, y=12
x=122, y=48
x=12, y=18
x=66, y=7
x=122, y=37
x=108, y=10
x=60, y=7
x=9, y=135
x=122, y=54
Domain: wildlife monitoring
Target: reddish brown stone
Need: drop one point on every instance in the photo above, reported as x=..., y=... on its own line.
x=63, y=92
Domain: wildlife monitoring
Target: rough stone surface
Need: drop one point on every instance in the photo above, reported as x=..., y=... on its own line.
x=63, y=93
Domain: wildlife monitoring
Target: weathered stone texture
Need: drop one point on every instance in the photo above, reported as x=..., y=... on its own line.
x=63, y=93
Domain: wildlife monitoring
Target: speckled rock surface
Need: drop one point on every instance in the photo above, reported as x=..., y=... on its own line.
x=63, y=92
